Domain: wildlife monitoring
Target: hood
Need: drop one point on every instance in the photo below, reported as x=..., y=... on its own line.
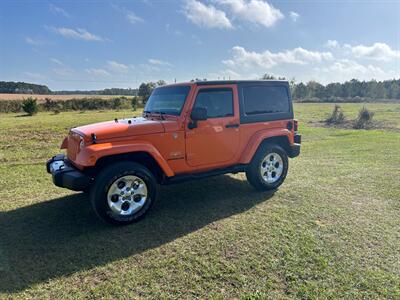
x=120, y=128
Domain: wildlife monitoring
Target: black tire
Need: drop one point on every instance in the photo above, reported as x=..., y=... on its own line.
x=253, y=172
x=108, y=176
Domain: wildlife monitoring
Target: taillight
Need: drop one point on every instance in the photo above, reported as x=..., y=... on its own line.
x=295, y=125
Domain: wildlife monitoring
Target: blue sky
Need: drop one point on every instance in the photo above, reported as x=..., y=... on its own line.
x=98, y=44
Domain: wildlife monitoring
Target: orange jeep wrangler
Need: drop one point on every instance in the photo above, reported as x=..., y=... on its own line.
x=187, y=131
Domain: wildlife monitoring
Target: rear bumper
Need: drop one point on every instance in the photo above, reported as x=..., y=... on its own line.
x=65, y=175
x=295, y=149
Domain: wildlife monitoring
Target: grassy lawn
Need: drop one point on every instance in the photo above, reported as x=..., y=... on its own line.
x=331, y=231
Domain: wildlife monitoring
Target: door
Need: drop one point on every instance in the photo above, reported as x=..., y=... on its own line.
x=214, y=141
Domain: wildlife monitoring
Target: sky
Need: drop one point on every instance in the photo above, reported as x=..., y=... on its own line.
x=86, y=45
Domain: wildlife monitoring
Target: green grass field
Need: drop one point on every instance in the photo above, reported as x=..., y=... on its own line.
x=331, y=231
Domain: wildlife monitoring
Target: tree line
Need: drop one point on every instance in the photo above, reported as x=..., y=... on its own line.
x=353, y=90
x=342, y=92
x=111, y=91
x=10, y=87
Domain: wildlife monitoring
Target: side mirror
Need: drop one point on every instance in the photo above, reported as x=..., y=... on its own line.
x=197, y=114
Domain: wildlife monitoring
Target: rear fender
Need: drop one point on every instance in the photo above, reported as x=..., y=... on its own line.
x=259, y=137
x=89, y=155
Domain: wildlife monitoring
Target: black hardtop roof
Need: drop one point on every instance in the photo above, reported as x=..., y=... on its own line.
x=215, y=82
x=222, y=82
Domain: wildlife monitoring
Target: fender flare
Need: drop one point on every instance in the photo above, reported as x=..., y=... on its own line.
x=256, y=140
x=92, y=153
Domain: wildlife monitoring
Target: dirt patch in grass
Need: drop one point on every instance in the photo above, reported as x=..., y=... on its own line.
x=349, y=124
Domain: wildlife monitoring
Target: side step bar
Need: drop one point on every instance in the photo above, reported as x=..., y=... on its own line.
x=187, y=177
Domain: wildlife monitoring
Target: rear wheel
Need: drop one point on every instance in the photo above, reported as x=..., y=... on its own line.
x=123, y=193
x=268, y=168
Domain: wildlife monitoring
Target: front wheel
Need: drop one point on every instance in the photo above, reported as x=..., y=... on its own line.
x=268, y=168
x=123, y=193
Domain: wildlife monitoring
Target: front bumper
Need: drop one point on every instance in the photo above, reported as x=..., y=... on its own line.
x=65, y=175
x=295, y=149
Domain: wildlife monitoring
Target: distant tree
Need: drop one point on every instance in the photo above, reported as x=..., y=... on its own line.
x=334, y=90
x=268, y=76
x=161, y=83
x=300, y=91
x=315, y=89
x=393, y=88
x=292, y=84
x=145, y=90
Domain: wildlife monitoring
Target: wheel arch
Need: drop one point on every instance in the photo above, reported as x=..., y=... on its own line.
x=279, y=137
x=142, y=157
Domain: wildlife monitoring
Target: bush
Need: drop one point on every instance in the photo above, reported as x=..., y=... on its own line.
x=364, y=119
x=7, y=106
x=117, y=103
x=49, y=104
x=81, y=104
x=134, y=103
x=30, y=106
x=337, y=116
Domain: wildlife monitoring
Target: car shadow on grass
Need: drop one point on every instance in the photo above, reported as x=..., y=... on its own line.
x=62, y=236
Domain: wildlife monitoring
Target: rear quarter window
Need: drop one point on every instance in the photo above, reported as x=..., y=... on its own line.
x=264, y=102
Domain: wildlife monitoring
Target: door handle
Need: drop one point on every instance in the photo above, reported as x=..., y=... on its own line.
x=232, y=125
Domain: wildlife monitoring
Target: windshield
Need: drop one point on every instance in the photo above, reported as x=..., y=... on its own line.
x=167, y=100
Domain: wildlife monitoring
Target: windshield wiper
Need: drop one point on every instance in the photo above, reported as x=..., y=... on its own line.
x=161, y=113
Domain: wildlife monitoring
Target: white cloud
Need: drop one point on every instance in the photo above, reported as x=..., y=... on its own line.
x=159, y=62
x=132, y=18
x=117, y=67
x=254, y=11
x=294, y=16
x=34, y=42
x=170, y=30
x=332, y=44
x=268, y=59
x=97, y=72
x=147, y=68
x=58, y=11
x=346, y=69
x=378, y=51
x=64, y=72
x=56, y=61
x=79, y=33
x=205, y=15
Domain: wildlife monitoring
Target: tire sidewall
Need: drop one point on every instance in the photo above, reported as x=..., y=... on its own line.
x=256, y=163
x=107, y=177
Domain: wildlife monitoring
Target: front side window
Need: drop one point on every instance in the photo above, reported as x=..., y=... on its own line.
x=218, y=102
x=168, y=100
x=265, y=99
